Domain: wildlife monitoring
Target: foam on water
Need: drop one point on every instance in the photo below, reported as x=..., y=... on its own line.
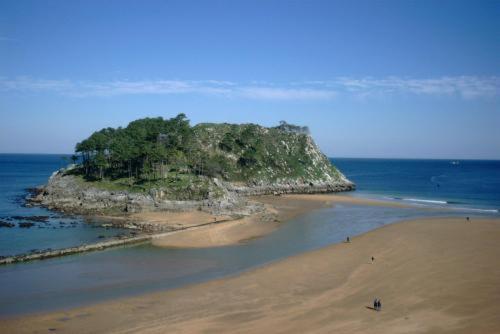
x=422, y=200
x=450, y=205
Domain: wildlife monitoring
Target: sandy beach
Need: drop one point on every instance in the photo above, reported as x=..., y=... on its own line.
x=432, y=276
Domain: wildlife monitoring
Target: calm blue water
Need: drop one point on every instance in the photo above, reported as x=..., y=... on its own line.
x=465, y=184
x=19, y=172
x=80, y=279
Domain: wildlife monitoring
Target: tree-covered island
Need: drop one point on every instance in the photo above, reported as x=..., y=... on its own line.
x=166, y=160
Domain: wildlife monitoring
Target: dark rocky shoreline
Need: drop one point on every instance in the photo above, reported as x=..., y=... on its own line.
x=49, y=253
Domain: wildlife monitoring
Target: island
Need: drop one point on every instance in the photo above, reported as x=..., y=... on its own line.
x=159, y=165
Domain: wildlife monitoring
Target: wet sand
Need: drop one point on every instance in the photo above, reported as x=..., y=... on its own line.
x=215, y=235
x=432, y=276
x=176, y=219
x=297, y=200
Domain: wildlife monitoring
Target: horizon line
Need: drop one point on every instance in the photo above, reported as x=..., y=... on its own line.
x=329, y=157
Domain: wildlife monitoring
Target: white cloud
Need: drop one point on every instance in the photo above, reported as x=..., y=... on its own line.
x=272, y=93
x=161, y=87
x=467, y=87
x=28, y=84
x=464, y=86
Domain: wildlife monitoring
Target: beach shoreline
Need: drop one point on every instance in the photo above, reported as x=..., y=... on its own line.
x=432, y=275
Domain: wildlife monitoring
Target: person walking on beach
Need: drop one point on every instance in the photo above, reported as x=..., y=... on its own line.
x=348, y=240
x=379, y=305
x=375, y=303
x=373, y=259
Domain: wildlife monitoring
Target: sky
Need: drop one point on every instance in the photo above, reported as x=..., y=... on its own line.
x=393, y=79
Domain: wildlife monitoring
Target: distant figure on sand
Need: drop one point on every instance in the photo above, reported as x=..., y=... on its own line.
x=348, y=240
x=373, y=259
x=467, y=218
x=375, y=303
x=379, y=305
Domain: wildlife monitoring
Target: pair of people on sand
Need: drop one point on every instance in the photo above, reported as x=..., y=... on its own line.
x=377, y=305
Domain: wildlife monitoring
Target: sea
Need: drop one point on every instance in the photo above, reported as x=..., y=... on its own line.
x=432, y=187
x=469, y=185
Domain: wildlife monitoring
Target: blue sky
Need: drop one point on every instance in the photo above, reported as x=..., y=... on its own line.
x=412, y=79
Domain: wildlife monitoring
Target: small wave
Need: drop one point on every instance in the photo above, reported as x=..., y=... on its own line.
x=477, y=210
x=418, y=200
x=430, y=201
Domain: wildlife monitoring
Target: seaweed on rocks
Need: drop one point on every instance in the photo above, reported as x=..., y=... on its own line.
x=26, y=225
x=38, y=219
x=6, y=224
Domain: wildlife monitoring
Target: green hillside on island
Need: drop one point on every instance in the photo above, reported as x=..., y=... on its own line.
x=182, y=159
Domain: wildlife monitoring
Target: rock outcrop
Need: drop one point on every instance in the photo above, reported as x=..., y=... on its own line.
x=67, y=193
